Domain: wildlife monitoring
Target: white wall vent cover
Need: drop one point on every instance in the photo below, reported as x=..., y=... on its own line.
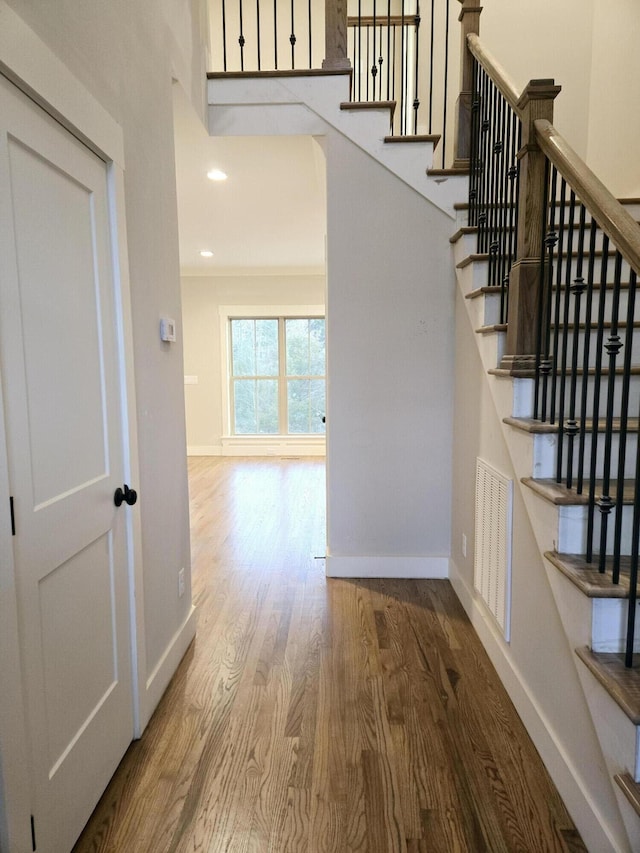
x=492, y=564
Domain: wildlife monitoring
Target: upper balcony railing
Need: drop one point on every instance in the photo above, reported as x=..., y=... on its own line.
x=396, y=50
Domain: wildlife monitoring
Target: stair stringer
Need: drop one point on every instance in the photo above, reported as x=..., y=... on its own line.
x=249, y=106
x=513, y=398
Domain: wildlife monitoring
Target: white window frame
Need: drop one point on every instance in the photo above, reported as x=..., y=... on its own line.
x=261, y=445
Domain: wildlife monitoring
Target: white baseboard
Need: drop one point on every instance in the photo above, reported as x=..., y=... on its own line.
x=586, y=813
x=204, y=450
x=162, y=673
x=387, y=567
x=272, y=448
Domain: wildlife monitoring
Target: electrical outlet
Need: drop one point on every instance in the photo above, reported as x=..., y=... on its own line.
x=180, y=583
x=464, y=544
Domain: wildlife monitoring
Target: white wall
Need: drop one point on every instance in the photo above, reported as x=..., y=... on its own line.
x=125, y=56
x=389, y=375
x=202, y=297
x=546, y=39
x=537, y=666
x=614, y=117
x=590, y=48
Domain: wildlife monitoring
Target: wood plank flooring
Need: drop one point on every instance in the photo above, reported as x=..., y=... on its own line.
x=322, y=716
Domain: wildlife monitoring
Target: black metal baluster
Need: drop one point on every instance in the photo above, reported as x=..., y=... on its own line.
x=355, y=65
x=557, y=303
x=446, y=83
x=593, y=461
x=613, y=347
x=224, y=36
x=310, y=39
x=359, y=50
x=493, y=197
x=503, y=272
x=389, y=49
x=241, y=40
x=622, y=433
x=374, y=67
x=368, y=39
x=586, y=352
x=393, y=79
x=494, y=245
x=633, y=566
x=416, y=98
x=275, y=34
x=577, y=289
x=380, y=65
x=403, y=125
x=292, y=37
x=565, y=337
x=484, y=148
x=258, y=31
x=433, y=15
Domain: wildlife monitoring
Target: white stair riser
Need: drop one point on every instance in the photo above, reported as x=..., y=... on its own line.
x=491, y=348
x=619, y=737
x=634, y=395
x=609, y=625
x=545, y=450
x=572, y=530
x=595, y=303
x=566, y=341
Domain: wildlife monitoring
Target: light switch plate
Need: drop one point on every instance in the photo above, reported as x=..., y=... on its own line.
x=168, y=329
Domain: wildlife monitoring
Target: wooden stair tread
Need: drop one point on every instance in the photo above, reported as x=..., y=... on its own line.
x=539, y=428
x=415, y=137
x=479, y=291
x=622, y=684
x=451, y=172
x=369, y=105
x=631, y=789
x=587, y=577
x=306, y=72
x=511, y=373
x=490, y=330
x=465, y=229
x=560, y=495
x=503, y=371
x=471, y=259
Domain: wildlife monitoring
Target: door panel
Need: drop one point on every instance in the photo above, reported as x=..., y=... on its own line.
x=78, y=642
x=54, y=277
x=63, y=419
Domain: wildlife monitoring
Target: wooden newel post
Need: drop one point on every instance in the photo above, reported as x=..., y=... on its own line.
x=525, y=278
x=335, y=36
x=469, y=18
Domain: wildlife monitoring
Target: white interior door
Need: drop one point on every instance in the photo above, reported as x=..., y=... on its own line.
x=60, y=379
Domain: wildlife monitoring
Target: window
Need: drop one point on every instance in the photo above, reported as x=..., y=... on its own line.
x=277, y=375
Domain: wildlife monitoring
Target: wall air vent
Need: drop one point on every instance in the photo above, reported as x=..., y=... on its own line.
x=492, y=565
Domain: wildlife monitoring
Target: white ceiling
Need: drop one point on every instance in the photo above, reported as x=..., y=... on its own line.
x=270, y=213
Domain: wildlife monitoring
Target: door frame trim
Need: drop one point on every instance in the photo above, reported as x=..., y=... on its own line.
x=31, y=65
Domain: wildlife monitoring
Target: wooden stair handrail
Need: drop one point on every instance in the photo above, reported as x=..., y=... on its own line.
x=615, y=221
x=495, y=71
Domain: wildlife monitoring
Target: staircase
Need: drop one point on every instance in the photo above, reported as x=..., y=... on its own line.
x=593, y=609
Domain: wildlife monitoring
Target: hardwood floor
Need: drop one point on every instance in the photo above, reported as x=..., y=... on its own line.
x=318, y=716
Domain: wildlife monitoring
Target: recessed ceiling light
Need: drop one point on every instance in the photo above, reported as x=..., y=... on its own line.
x=217, y=175
x=206, y=253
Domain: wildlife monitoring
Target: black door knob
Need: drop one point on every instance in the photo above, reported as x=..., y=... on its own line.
x=126, y=495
